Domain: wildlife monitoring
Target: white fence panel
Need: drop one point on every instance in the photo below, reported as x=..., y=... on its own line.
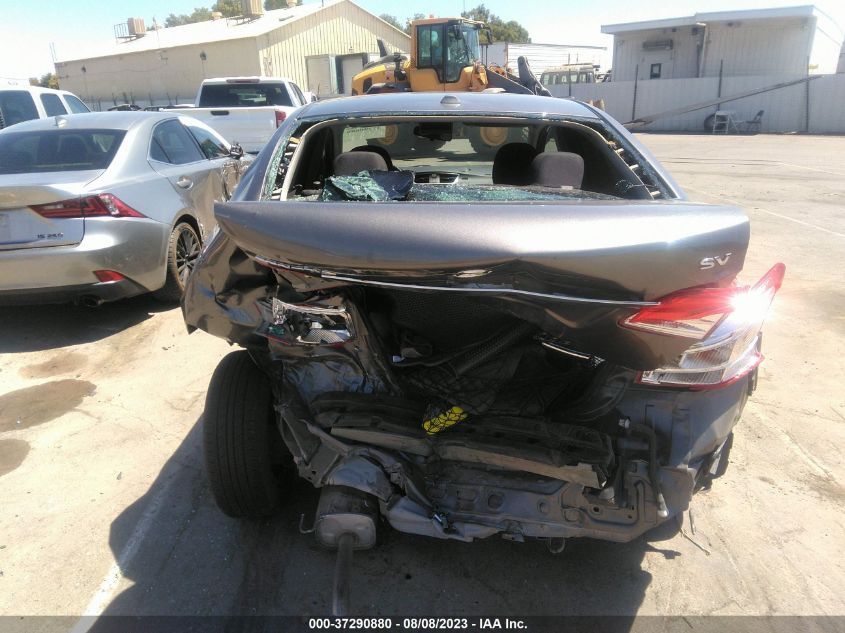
x=618, y=96
x=827, y=105
x=784, y=109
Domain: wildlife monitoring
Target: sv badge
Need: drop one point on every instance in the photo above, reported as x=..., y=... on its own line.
x=711, y=262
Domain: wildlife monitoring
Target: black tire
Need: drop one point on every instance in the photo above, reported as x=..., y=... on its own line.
x=245, y=458
x=183, y=248
x=708, y=123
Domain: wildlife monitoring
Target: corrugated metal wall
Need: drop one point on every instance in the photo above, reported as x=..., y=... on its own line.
x=746, y=48
x=630, y=58
x=785, y=109
x=173, y=75
x=156, y=77
x=542, y=56
x=342, y=29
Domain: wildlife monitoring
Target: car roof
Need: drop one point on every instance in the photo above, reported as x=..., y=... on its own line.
x=246, y=79
x=437, y=103
x=93, y=120
x=575, y=66
x=13, y=84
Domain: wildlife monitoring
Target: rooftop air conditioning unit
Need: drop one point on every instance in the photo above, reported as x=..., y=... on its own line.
x=252, y=8
x=136, y=27
x=658, y=45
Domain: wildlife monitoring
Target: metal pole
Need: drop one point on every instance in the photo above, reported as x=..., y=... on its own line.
x=634, y=104
x=342, y=574
x=807, y=100
x=719, y=92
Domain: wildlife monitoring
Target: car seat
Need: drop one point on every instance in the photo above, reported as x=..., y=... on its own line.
x=512, y=164
x=351, y=163
x=557, y=169
x=378, y=150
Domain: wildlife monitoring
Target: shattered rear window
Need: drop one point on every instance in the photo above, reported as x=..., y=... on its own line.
x=382, y=186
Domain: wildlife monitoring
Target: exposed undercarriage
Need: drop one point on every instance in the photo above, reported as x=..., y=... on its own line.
x=460, y=420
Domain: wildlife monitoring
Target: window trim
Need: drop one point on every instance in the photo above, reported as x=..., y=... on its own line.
x=439, y=69
x=66, y=98
x=298, y=92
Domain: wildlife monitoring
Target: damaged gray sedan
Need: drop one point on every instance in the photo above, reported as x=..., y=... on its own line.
x=544, y=341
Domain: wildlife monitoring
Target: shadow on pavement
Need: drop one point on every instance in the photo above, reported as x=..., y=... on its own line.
x=187, y=558
x=43, y=327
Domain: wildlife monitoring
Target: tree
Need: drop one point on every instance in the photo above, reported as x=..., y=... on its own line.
x=48, y=80
x=392, y=20
x=228, y=8
x=200, y=14
x=511, y=31
x=417, y=16
x=270, y=5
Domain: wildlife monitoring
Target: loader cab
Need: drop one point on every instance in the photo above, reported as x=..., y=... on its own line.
x=443, y=52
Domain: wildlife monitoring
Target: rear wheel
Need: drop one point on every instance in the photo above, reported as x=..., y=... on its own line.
x=245, y=458
x=488, y=140
x=183, y=250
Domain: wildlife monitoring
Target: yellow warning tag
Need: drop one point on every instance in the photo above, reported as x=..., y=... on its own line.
x=444, y=420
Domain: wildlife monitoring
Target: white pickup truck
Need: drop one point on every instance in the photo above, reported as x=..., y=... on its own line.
x=247, y=110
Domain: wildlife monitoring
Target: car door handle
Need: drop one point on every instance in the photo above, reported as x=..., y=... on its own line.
x=185, y=183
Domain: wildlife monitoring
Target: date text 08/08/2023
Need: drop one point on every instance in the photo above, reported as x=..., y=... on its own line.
x=417, y=624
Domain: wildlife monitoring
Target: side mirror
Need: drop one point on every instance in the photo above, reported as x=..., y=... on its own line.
x=236, y=151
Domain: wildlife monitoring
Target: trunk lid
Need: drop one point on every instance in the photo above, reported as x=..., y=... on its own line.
x=21, y=227
x=574, y=269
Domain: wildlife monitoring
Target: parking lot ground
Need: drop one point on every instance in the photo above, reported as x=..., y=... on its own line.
x=104, y=507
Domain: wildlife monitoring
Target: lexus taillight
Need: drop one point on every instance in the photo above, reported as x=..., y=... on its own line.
x=102, y=205
x=280, y=117
x=724, y=322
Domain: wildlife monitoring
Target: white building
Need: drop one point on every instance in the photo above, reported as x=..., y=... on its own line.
x=543, y=56
x=320, y=45
x=782, y=41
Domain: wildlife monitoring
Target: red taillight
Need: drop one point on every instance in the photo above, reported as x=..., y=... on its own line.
x=690, y=313
x=726, y=323
x=108, y=275
x=103, y=205
x=696, y=313
x=280, y=117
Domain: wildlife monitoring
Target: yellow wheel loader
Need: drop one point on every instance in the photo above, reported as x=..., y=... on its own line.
x=446, y=57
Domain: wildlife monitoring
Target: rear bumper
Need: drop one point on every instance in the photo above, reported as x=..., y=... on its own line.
x=98, y=292
x=135, y=248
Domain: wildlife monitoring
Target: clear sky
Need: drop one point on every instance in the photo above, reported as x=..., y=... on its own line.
x=29, y=28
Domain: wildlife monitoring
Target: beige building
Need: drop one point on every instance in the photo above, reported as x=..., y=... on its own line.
x=320, y=45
